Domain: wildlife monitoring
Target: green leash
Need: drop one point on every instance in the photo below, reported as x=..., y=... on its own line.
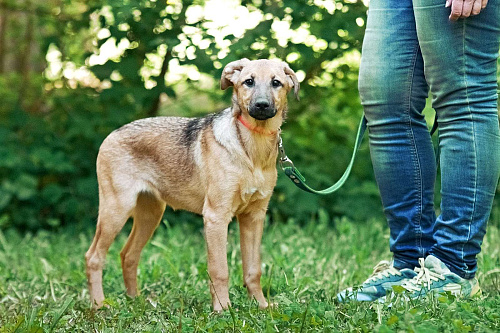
x=296, y=177
x=299, y=180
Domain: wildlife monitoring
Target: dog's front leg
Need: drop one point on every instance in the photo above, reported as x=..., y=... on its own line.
x=216, y=224
x=251, y=226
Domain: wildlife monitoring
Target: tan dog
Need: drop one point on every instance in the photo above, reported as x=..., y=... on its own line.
x=222, y=165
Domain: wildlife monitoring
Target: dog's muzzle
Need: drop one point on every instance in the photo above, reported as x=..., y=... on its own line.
x=262, y=110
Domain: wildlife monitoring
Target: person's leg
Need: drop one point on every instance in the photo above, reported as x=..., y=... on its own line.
x=460, y=66
x=393, y=91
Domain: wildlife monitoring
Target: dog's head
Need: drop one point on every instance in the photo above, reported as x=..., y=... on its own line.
x=260, y=86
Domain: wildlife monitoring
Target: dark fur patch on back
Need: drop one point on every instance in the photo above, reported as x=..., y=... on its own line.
x=194, y=126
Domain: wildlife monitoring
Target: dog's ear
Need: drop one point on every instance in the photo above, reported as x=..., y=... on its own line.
x=231, y=73
x=292, y=79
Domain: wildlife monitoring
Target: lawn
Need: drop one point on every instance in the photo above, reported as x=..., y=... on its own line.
x=43, y=284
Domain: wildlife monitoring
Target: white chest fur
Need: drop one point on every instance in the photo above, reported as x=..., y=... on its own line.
x=255, y=186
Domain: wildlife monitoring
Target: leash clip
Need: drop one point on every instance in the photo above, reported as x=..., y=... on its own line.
x=284, y=160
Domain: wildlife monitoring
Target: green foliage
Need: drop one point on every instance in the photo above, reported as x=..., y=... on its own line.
x=51, y=138
x=47, y=164
x=52, y=124
x=43, y=284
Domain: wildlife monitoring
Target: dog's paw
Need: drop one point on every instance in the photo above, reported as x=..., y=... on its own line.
x=221, y=306
x=266, y=305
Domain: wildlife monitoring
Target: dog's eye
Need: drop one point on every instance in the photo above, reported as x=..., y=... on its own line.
x=249, y=82
x=276, y=83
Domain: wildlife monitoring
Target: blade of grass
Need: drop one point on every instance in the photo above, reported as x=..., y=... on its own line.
x=269, y=305
x=60, y=313
x=179, y=327
x=304, y=318
x=233, y=316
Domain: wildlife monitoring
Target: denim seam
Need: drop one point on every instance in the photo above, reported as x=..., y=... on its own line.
x=474, y=141
x=414, y=150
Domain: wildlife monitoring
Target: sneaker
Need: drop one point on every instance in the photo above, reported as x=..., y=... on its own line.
x=384, y=276
x=434, y=277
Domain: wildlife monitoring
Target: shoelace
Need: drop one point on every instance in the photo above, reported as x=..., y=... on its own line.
x=383, y=269
x=424, y=276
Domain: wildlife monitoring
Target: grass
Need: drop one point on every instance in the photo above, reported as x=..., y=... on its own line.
x=43, y=284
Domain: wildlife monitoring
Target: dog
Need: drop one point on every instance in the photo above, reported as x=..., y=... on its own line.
x=219, y=166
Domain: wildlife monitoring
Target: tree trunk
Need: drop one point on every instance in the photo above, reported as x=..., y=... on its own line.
x=25, y=56
x=3, y=32
x=153, y=110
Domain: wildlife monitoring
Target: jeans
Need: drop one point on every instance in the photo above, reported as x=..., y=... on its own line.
x=409, y=47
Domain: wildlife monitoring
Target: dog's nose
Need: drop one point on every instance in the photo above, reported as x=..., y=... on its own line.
x=262, y=109
x=262, y=105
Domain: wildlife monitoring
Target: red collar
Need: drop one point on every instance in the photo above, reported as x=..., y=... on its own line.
x=256, y=129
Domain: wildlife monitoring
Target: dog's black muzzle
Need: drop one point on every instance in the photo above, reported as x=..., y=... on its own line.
x=262, y=110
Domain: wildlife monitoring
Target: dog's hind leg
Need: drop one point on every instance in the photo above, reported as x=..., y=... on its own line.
x=113, y=215
x=147, y=215
x=251, y=227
